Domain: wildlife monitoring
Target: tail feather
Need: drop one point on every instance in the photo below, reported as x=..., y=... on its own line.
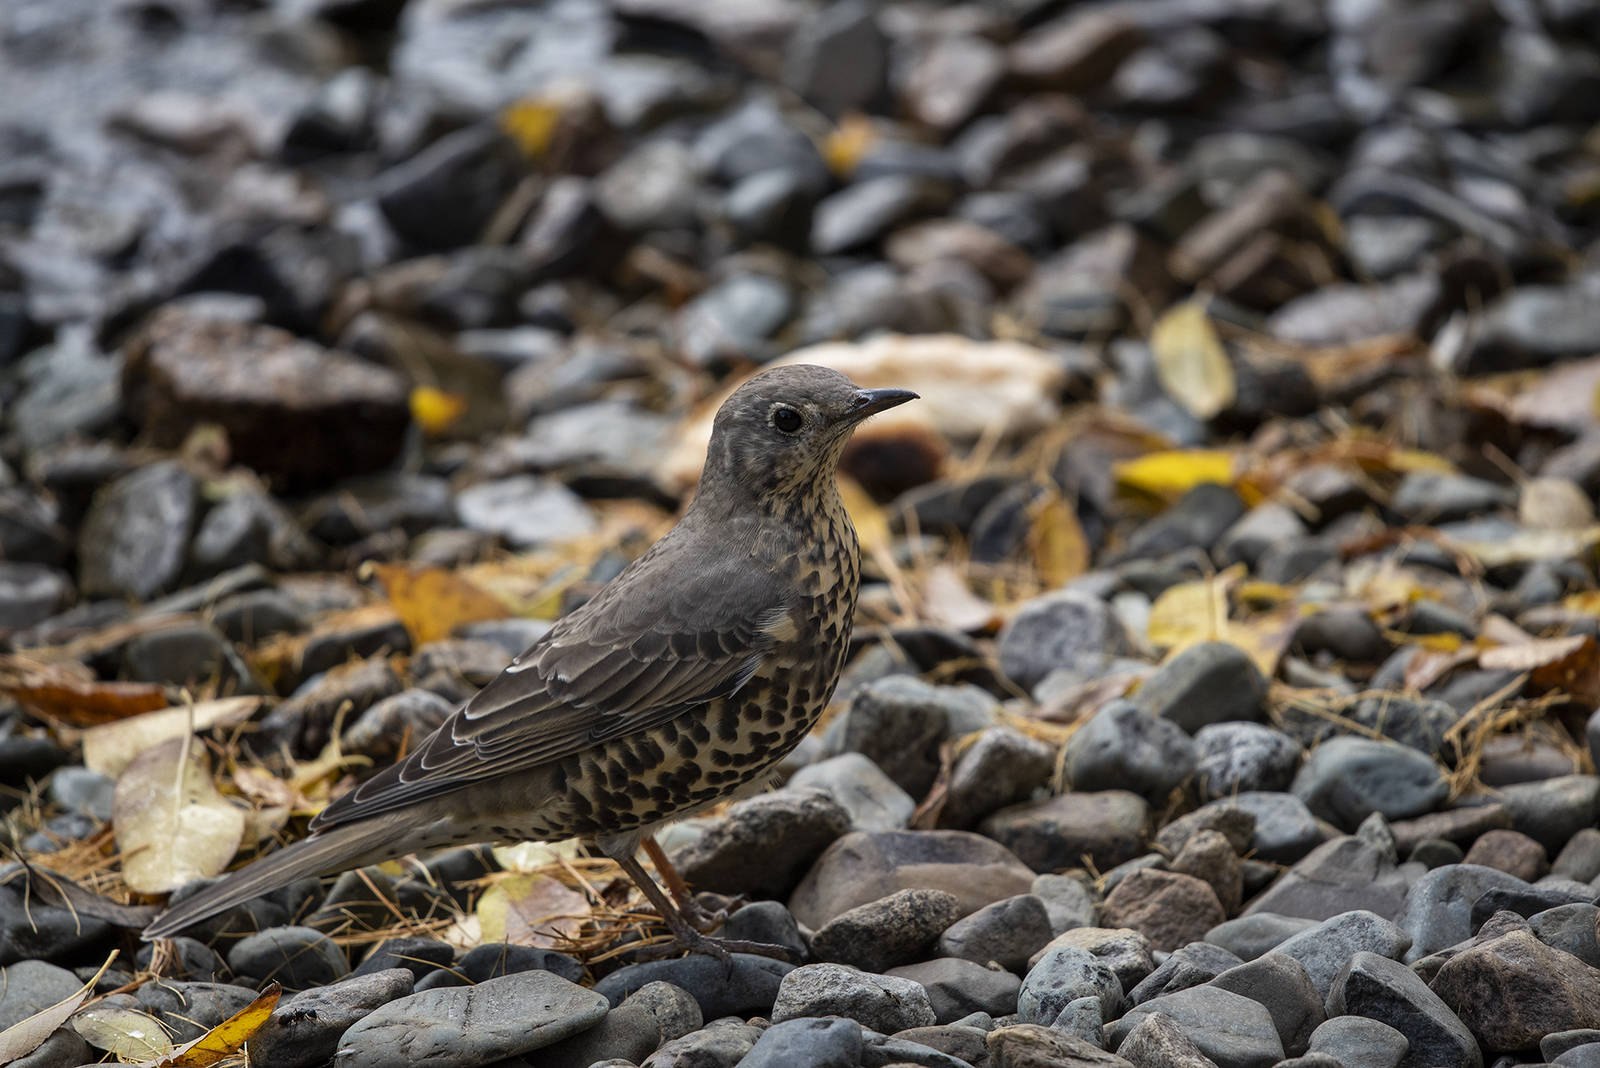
x=326, y=853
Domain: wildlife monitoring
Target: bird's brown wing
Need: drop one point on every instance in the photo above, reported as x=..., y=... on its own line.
x=673, y=631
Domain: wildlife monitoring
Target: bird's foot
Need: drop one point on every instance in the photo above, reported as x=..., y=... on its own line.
x=703, y=919
x=724, y=948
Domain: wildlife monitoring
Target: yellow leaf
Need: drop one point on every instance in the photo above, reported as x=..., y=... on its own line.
x=1169, y=475
x=1191, y=363
x=1588, y=601
x=225, y=1039
x=1060, y=549
x=1191, y=612
x=436, y=411
x=171, y=824
x=532, y=125
x=872, y=526
x=1264, y=638
x=1405, y=460
x=432, y=602
x=531, y=910
x=1257, y=592
x=1194, y=612
x=847, y=143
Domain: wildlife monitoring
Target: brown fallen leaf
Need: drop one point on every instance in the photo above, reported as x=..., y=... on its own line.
x=62, y=697
x=433, y=601
x=1060, y=548
x=171, y=824
x=1569, y=665
x=532, y=910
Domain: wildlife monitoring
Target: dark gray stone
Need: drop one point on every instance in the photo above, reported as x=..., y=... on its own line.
x=304, y=1030
x=1282, y=984
x=1232, y=1030
x=744, y=987
x=1345, y=780
x=648, y=1018
x=1323, y=950
x=1236, y=758
x=831, y=1042
x=874, y=801
x=1007, y=932
x=1059, y=832
x=897, y=929
x=1186, y=966
x=1248, y=937
x=28, y=986
x=1002, y=767
x=136, y=534
x=1060, y=629
x=1387, y=991
x=789, y=827
x=1063, y=975
x=1438, y=907
x=465, y=1026
x=1357, y=1040
x=1124, y=747
x=297, y=957
x=883, y=1003
x=957, y=988
x=1336, y=877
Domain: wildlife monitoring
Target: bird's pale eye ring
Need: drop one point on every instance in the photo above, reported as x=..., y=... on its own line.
x=786, y=419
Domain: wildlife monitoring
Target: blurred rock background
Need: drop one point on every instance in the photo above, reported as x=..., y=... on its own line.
x=1233, y=587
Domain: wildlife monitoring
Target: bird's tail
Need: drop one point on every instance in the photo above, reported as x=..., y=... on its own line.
x=325, y=853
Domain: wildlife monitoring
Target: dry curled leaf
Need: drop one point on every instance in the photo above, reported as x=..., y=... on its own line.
x=1060, y=548
x=531, y=910
x=172, y=826
x=111, y=747
x=1191, y=363
x=1569, y=665
x=433, y=601
x=30, y=1032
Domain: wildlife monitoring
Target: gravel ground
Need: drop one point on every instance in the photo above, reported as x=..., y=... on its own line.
x=1226, y=687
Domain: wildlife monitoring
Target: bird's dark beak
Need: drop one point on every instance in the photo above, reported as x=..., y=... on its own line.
x=872, y=401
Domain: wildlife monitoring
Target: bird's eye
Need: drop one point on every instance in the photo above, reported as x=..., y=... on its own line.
x=787, y=419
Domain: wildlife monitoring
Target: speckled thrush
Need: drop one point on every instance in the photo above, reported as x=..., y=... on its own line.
x=684, y=681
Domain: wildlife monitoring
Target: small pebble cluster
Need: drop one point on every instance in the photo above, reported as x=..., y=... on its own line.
x=1226, y=688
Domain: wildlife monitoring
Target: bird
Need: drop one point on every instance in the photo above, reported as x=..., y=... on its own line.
x=684, y=681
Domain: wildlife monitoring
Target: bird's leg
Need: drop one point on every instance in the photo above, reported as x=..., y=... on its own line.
x=702, y=920
x=682, y=930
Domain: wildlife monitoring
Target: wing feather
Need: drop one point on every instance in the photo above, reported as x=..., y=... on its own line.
x=664, y=637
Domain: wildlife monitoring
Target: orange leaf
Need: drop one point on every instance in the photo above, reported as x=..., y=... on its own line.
x=77, y=702
x=432, y=602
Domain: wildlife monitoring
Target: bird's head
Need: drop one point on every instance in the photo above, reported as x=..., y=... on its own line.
x=783, y=431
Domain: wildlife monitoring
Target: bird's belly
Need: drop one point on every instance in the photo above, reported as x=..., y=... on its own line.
x=690, y=762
